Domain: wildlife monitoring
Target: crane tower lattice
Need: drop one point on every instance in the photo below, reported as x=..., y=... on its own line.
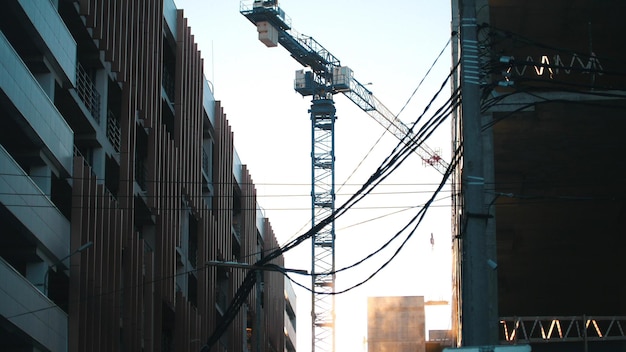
x=325, y=79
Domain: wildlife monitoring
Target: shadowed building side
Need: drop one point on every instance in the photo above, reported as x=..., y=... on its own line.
x=553, y=100
x=119, y=181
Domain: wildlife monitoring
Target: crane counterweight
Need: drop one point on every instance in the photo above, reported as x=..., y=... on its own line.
x=268, y=34
x=327, y=72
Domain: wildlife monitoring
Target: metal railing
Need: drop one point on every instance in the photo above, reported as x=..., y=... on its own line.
x=169, y=85
x=114, y=131
x=206, y=166
x=87, y=92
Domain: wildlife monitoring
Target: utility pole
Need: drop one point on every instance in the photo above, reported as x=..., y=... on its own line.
x=476, y=309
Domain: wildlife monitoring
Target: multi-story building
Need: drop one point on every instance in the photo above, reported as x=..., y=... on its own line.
x=119, y=182
x=290, y=317
x=552, y=106
x=396, y=324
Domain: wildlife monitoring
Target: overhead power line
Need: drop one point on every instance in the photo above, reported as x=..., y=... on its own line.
x=398, y=155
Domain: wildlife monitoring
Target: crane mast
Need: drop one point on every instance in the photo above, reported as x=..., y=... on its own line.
x=325, y=79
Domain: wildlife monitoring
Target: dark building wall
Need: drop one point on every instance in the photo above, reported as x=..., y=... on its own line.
x=555, y=189
x=577, y=38
x=560, y=235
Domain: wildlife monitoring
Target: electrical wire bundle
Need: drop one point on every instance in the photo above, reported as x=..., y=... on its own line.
x=400, y=153
x=502, y=69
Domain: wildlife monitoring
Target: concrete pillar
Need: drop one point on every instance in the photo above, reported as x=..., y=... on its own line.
x=479, y=285
x=36, y=274
x=46, y=81
x=102, y=86
x=182, y=280
x=98, y=163
x=42, y=176
x=491, y=250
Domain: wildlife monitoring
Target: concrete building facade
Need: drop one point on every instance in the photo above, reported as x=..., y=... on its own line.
x=119, y=181
x=552, y=109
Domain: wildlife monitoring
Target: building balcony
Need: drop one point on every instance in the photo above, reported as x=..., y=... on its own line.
x=28, y=310
x=59, y=46
x=87, y=92
x=24, y=98
x=170, y=16
x=208, y=102
x=25, y=201
x=206, y=166
x=168, y=87
x=290, y=330
x=236, y=230
x=114, y=131
x=237, y=168
x=221, y=299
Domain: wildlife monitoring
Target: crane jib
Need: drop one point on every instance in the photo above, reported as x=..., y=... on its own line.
x=309, y=53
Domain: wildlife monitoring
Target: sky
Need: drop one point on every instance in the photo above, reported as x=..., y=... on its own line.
x=390, y=44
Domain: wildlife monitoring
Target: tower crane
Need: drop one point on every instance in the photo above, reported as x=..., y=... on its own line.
x=325, y=78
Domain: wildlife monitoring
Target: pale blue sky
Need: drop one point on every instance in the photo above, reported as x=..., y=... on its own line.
x=389, y=43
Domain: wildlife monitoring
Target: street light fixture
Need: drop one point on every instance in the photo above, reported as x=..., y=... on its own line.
x=255, y=267
x=78, y=250
x=60, y=261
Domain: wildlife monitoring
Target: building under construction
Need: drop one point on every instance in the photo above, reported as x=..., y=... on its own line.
x=396, y=324
x=552, y=114
x=119, y=184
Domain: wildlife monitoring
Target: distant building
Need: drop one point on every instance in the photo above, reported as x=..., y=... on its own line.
x=396, y=324
x=442, y=336
x=119, y=181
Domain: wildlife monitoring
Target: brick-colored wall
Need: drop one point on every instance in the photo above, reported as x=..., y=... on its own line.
x=123, y=282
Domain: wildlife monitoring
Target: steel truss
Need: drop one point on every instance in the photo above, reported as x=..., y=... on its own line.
x=514, y=330
x=322, y=206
